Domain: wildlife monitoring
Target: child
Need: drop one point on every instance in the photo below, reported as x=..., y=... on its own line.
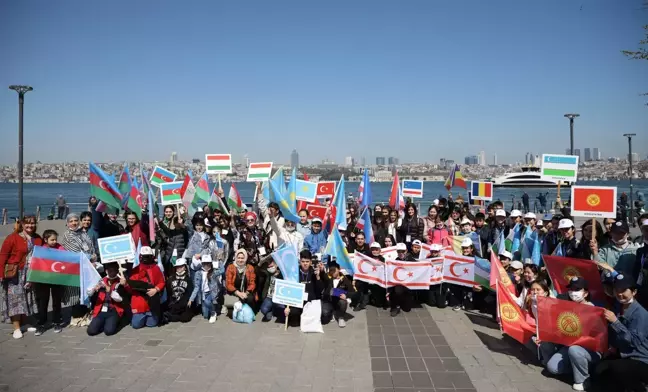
x=108, y=299
x=179, y=289
x=42, y=291
x=268, y=274
x=206, y=283
x=339, y=290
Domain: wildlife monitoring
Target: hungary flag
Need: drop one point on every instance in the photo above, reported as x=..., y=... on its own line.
x=103, y=187
x=218, y=163
x=234, y=199
x=202, y=189
x=54, y=266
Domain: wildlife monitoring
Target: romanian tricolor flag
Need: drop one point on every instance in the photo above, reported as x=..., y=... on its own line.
x=481, y=190
x=53, y=266
x=512, y=318
x=572, y=324
x=455, y=179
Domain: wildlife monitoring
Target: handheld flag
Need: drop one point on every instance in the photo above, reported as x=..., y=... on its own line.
x=291, y=192
x=170, y=193
x=216, y=203
x=572, y=324
x=53, y=266
x=340, y=204
x=364, y=224
x=512, y=319
x=88, y=277
x=482, y=272
x=459, y=270
x=103, y=187
x=498, y=275
x=188, y=192
x=369, y=270
x=414, y=275
x=364, y=190
x=125, y=185
x=306, y=191
x=260, y=171
x=151, y=216
x=161, y=176
x=563, y=269
x=284, y=206
x=336, y=248
x=481, y=190
x=455, y=179
x=234, y=199
x=594, y=201
x=413, y=188
x=287, y=260
x=218, y=163
x=202, y=189
x=396, y=200
x=138, y=250
x=325, y=189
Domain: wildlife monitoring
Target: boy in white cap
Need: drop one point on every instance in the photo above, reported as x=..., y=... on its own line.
x=499, y=226
x=400, y=297
x=179, y=288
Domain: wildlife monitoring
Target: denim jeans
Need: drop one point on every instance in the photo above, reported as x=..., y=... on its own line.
x=267, y=306
x=562, y=359
x=208, y=307
x=106, y=322
x=140, y=320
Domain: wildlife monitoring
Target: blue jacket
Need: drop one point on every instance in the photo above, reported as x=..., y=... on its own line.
x=316, y=242
x=214, y=285
x=629, y=334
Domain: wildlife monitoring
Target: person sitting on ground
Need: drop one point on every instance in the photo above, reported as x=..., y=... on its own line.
x=559, y=359
x=179, y=289
x=268, y=274
x=145, y=286
x=315, y=280
x=338, y=294
x=207, y=287
x=108, y=299
x=240, y=279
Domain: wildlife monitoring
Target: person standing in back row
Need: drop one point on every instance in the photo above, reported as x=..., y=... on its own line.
x=60, y=205
x=525, y=201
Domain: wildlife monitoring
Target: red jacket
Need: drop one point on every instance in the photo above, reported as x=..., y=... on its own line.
x=14, y=251
x=145, y=273
x=101, y=297
x=438, y=236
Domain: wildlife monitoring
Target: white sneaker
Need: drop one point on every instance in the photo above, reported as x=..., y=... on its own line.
x=31, y=329
x=341, y=323
x=578, y=387
x=212, y=319
x=223, y=311
x=17, y=334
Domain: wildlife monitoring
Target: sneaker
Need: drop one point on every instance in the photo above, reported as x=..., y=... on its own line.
x=58, y=328
x=341, y=323
x=394, y=312
x=267, y=317
x=39, y=331
x=360, y=307
x=31, y=329
x=456, y=308
x=212, y=319
x=17, y=334
x=578, y=387
x=224, y=311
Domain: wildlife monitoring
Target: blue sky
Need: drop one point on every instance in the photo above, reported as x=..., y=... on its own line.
x=418, y=80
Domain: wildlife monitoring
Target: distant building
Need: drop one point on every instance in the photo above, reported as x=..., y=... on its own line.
x=195, y=160
x=482, y=158
x=567, y=151
x=528, y=158
x=392, y=161
x=596, y=154
x=380, y=161
x=363, y=162
x=578, y=154
x=174, y=157
x=495, y=159
x=294, y=159
x=442, y=163
x=449, y=163
x=588, y=154
x=348, y=161
x=613, y=159
x=471, y=160
x=635, y=157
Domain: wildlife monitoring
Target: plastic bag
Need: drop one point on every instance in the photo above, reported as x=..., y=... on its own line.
x=311, y=317
x=243, y=313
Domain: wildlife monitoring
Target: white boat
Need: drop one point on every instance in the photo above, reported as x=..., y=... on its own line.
x=529, y=177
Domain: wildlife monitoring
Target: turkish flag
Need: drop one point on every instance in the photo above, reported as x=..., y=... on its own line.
x=499, y=274
x=368, y=270
x=325, y=189
x=594, y=201
x=563, y=269
x=301, y=205
x=316, y=211
x=512, y=318
x=570, y=323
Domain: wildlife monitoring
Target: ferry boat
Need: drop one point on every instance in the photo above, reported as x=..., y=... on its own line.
x=529, y=177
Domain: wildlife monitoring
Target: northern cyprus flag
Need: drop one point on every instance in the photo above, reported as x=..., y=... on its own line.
x=413, y=275
x=459, y=270
x=368, y=270
x=234, y=199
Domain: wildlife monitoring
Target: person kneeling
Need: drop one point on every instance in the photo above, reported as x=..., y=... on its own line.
x=206, y=288
x=315, y=280
x=179, y=289
x=339, y=292
x=145, y=285
x=108, y=299
x=269, y=273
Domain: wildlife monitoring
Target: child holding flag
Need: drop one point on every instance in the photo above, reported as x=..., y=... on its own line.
x=42, y=292
x=108, y=299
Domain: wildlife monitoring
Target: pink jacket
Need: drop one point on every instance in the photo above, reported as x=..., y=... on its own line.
x=437, y=236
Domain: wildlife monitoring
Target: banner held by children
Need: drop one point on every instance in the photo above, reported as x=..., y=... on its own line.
x=218, y=163
x=117, y=248
x=563, y=269
x=306, y=191
x=369, y=270
x=413, y=275
x=53, y=266
x=289, y=293
x=559, y=168
x=481, y=190
x=325, y=189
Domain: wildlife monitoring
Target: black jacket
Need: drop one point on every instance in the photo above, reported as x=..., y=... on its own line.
x=264, y=278
x=179, y=292
x=314, y=287
x=345, y=284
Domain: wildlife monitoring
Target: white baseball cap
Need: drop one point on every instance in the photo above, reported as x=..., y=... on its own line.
x=436, y=202
x=565, y=223
x=529, y=215
x=517, y=264
x=516, y=213
x=146, y=251
x=436, y=247
x=417, y=242
x=539, y=222
x=466, y=221
x=467, y=242
x=507, y=254
x=401, y=246
x=206, y=259
x=375, y=245
x=180, y=262
x=500, y=213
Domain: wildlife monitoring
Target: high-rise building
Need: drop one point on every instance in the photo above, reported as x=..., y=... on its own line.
x=567, y=151
x=578, y=154
x=596, y=154
x=294, y=159
x=588, y=154
x=449, y=163
x=363, y=162
x=174, y=157
x=392, y=161
x=471, y=160
x=495, y=159
x=527, y=158
x=442, y=163
x=635, y=157
x=380, y=161
x=348, y=161
x=482, y=158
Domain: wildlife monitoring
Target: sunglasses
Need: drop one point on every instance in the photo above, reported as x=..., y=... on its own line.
x=250, y=220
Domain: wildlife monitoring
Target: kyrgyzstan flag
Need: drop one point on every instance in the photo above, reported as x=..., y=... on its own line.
x=499, y=274
x=512, y=318
x=413, y=275
x=570, y=323
x=563, y=269
x=594, y=201
x=368, y=270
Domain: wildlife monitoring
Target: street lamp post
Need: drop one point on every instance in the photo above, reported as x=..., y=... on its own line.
x=629, y=136
x=21, y=90
x=571, y=117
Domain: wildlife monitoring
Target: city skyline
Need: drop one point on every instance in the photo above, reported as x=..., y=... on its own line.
x=379, y=78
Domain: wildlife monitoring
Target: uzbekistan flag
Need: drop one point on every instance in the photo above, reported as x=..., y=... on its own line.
x=412, y=188
x=218, y=163
x=171, y=193
x=160, y=176
x=481, y=190
x=53, y=266
x=594, y=201
x=260, y=172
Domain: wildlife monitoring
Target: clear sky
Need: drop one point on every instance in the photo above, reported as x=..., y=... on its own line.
x=418, y=80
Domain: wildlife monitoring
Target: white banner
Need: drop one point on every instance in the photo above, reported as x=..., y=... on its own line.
x=368, y=270
x=411, y=274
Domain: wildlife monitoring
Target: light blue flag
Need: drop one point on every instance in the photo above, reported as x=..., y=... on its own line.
x=516, y=238
x=306, y=190
x=279, y=180
x=291, y=192
x=287, y=260
x=536, y=254
x=340, y=204
x=265, y=188
x=163, y=299
x=558, y=251
x=365, y=199
x=336, y=248
x=137, y=253
x=89, y=277
x=366, y=226
x=527, y=244
x=283, y=204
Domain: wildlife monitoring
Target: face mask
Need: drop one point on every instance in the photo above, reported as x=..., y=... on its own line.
x=290, y=228
x=620, y=242
x=272, y=270
x=577, y=296
x=529, y=280
x=626, y=301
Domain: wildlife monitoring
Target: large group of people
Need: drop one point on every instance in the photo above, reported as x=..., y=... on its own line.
x=215, y=254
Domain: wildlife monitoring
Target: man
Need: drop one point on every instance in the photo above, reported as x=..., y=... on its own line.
x=400, y=297
x=287, y=234
x=315, y=280
x=359, y=245
x=542, y=199
x=620, y=254
x=495, y=233
x=516, y=217
x=268, y=275
x=317, y=239
x=481, y=228
x=61, y=204
x=269, y=210
x=304, y=226
x=525, y=201
x=530, y=220
x=416, y=249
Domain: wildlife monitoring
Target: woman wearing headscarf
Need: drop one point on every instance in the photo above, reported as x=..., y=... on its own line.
x=76, y=240
x=16, y=299
x=240, y=279
x=174, y=236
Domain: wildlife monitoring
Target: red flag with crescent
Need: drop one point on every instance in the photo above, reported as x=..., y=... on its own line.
x=414, y=275
x=325, y=189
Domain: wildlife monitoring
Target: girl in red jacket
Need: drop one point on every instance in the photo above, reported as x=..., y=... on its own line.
x=145, y=285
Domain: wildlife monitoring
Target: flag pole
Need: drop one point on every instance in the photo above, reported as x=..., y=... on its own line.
x=594, y=229
x=256, y=192
x=220, y=186
x=286, y=323
x=558, y=196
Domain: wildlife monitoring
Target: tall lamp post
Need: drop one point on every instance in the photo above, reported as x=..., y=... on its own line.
x=571, y=117
x=629, y=136
x=21, y=90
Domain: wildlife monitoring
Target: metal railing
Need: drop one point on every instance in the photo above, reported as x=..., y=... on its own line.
x=53, y=212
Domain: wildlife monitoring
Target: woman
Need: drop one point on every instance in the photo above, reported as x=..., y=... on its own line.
x=179, y=288
x=174, y=235
x=134, y=227
x=529, y=275
x=240, y=279
x=377, y=212
x=204, y=242
x=412, y=226
x=560, y=359
x=568, y=244
x=389, y=241
x=429, y=222
x=227, y=230
x=379, y=229
x=86, y=226
x=627, y=369
x=252, y=239
x=393, y=224
x=16, y=298
x=583, y=249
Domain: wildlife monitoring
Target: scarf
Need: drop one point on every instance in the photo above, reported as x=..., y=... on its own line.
x=240, y=269
x=77, y=241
